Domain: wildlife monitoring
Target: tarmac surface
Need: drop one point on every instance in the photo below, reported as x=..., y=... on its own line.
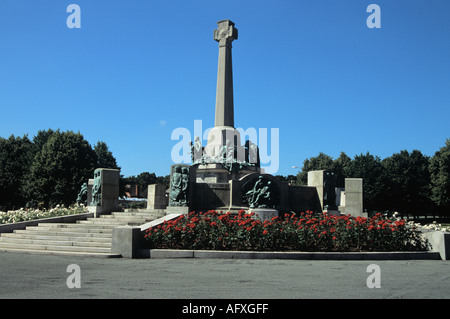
x=44, y=277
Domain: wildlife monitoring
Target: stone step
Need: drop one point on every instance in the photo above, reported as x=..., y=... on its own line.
x=136, y=214
x=56, y=247
x=91, y=237
x=121, y=218
x=112, y=225
x=118, y=221
x=78, y=225
x=57, y=241
x=96, y=230
x=109, y=223
x=73, y=233
x=140, y=210
x=53, y=236
x=60, y=253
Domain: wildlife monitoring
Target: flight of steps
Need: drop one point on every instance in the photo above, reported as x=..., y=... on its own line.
x=91, y=237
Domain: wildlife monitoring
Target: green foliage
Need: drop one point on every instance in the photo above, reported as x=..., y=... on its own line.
x=440, y=177
x=105, y=158
x=16, y=154
x=339, y=168
x=63, y=163
x=324, y=162
x=406, y=182
x=48, y=170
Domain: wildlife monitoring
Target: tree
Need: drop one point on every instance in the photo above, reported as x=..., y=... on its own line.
x=105, y=158
x=41, y=138
x=163, y=180
x=339, y=167
x=407, y=182
x=440, y=177
x=369, y=168
x=16, y=155
x=59, y=169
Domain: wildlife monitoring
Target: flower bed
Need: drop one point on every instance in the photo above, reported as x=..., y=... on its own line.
x=307, y=232
x=433, y=226
x=21, y=215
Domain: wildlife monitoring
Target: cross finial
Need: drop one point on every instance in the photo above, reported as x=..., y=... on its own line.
x=225, y=32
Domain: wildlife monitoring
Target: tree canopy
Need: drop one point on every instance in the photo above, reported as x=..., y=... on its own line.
x=407, y=182
x=48, y=170
x=440, y=177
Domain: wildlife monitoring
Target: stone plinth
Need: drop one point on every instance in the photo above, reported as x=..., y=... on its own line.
x=182, y=180
x=211, y=173
x=105, y=191
x=263, y=214
x=315, y=179
x=354, y=196
x=325, y=183
x=156, y=198
x=89, y=193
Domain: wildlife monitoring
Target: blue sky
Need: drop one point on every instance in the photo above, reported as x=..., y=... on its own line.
x=137, y=70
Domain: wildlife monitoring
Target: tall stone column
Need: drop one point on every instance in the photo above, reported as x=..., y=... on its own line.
x=225, y=34
x=224, y=134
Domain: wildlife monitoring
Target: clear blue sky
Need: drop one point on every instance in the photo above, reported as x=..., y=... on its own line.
x=137, y=70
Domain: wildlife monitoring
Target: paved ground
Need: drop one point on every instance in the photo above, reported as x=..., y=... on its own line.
x=40, y=276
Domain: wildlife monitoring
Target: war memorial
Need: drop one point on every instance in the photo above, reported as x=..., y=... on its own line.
x=225, y=176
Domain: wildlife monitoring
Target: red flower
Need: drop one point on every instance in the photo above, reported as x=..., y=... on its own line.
x=265, y=232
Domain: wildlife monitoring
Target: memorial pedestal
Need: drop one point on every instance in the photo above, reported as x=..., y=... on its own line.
x=264, y=213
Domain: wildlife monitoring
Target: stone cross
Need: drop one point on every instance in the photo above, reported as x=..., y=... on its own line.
x=225, y=34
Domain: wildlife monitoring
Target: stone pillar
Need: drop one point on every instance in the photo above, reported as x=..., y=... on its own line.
x=325, y=182
x=223, y=134
x=105, y=191
x=156, y=197
x=182, y=179
x=225, y=34
x=89, y=194
x=315, y=179
x=354, y=197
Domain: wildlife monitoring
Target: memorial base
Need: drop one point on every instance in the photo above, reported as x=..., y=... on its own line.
x=177, y=210
x=263, y=214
